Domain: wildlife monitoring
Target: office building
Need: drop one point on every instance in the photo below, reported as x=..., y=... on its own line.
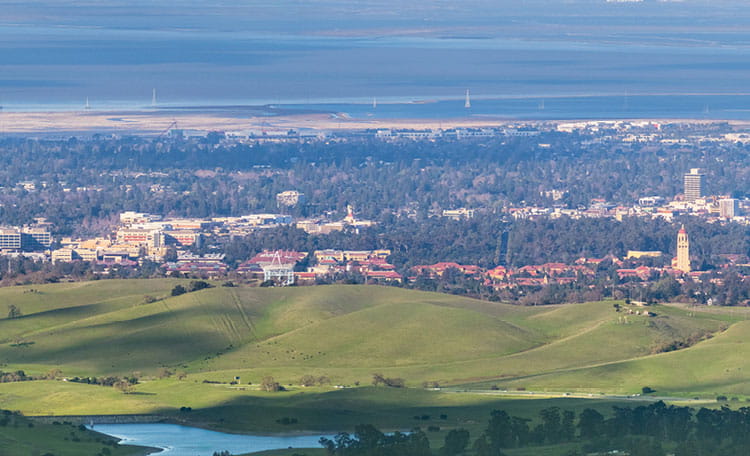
x=693, y=184
x=33, y=239
x=10, y=239
x=729, y=208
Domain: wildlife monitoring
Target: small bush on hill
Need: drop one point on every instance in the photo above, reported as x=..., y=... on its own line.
x=178, y=290
x=270, y=385
x=379, y=379
x=14, y=311
x=196, y=285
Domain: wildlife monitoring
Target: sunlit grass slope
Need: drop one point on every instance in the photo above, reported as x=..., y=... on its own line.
x=343, y=332
x=719, y=366
x=236, y=327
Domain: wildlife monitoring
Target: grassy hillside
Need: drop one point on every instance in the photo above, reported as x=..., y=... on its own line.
x=719, y=366
x=347, y=333
x=343, y=332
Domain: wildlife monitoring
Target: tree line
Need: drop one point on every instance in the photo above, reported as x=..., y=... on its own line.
x=656, y=429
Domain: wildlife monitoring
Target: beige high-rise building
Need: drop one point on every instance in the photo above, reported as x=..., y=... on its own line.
x=693, y=184
x=729, y=207
x=683, y=251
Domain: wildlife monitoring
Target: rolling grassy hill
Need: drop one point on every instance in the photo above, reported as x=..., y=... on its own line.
x=347, y=333
x=720, y=365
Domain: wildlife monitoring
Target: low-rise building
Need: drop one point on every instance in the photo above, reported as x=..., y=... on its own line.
x=458, y=214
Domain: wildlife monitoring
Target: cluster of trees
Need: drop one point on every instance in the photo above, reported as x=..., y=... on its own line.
x=194, y=285
x=396, y=382
x=20, y=271
x=653, y=430
x=369, y=441
x=648, y=430
x=270, y=385
x=17, y=376
x=21, y=376
x=106, y=380
x=311, y=380
x=8, y=417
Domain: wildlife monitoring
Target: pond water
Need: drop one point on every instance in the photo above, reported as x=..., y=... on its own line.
x=176, y=440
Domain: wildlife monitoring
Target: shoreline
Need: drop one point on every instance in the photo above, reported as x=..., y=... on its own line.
x=162, y=419
x=160, y=122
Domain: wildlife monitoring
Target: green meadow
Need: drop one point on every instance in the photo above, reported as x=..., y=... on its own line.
x=479, y=353
x=21, y=436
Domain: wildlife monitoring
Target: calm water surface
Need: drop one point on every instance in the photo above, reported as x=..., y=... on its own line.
x=542, y=59
x=179, y=440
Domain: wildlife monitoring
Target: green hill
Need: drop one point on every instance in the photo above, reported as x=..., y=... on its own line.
x=346, y=333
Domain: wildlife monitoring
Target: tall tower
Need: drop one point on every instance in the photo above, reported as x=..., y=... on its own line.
x=693, y=184
x=467, y=103
x=683, y=251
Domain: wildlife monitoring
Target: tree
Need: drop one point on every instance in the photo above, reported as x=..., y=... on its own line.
x=455, y=442
x=164, y=372
x=53, y=374
x=499, y=431
x=307, y=380
x=196, y=285
x=14, y=311
x=590, y=424
x=270, y=385
x=567, y=428
x=123, y=386
x=178, y=290
x=379, y=379
x=551, y=427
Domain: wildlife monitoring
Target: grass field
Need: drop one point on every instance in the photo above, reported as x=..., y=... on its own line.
x=20, y=436
x=347, y=333
x=343, y=332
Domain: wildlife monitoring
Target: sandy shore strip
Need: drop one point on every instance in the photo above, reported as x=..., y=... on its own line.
x=157, y=122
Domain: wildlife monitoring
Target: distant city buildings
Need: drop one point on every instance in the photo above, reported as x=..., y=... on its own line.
x=317, y=226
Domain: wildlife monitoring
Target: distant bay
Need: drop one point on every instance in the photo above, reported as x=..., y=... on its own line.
x=613, y=66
